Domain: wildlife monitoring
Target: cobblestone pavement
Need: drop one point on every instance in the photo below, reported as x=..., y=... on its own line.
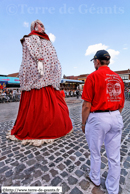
x=62, y=163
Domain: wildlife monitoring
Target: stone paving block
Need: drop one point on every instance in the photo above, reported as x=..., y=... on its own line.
x=76, y=191
x=27, y=180
x=8, y=182
x=9, y=173
x=83, y=167
x=72, y=180
x=9, y=160
x=3, y=158
x=81, y=144
x=52, y=164
x=10, y=155
x=77, y=153
x=17, y=183
x=31, y=162
x=82, y=159
x=3, y=169
x=30, y=156
x=67, y=162
x=23, y=159
x=129, y=175
x=104, y=160
x=71, y=151
x=61, y=166
x=65, y=187
x=97, y=190
x=56, y=181
x=65, y=155
x=46, y=154
x=53, y=172
x=62, y=150
x=86, y=154
x=88, y=162
x=71, y=168
x=59, y=159
x=44, y=168
x=37, y=174
x=64, y=174
x=2, y=179
x=6, y=152
x=51, y=157
x=36, y=153
x=126, y=165
x=79, y=173
x=44, y=162
x=57, y=153
x=124, y=172
x=122, y=180
x=39, y=158
x=19, y=156
x=102, y=183
x=77, y=163
x=46, y=177
x=2, y=164
x=103, y=165
x=19, y=176
x=120, y=190
x=105, y=174
x=73, y=158
x=82, y=150
x=128, y=159
x=16, y=148
x=36, y=183
x=29, y=171
x=16, y=163
x=84, y=184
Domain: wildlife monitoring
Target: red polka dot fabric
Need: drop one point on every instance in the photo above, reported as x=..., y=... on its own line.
x=34, y=49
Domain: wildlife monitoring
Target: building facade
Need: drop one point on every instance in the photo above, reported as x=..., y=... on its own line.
x=124, y=74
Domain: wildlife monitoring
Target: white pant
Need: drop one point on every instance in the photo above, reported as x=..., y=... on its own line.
x=105, y=127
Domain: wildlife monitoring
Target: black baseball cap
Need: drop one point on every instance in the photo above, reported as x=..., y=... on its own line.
x=102, y=55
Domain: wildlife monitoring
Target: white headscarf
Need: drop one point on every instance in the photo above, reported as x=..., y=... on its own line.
x=34, y=24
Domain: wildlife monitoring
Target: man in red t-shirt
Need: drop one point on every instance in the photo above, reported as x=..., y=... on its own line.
x=103, y=96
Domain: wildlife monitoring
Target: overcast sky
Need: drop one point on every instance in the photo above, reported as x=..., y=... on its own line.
x=77, y=29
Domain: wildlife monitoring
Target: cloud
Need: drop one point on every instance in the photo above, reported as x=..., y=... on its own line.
x=92, y=49
x=52, y=37
x=125, y=48
x=26, y=24
x=113, y=54
x=75, y=67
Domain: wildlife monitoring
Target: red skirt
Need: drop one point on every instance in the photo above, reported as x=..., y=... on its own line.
x=43, y=114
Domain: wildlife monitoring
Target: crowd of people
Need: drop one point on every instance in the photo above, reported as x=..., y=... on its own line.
x=13, y=95
x=10, y=95
x=73, y=93
x=127, y=92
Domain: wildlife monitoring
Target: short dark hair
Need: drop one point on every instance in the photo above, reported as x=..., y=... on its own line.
x=104, y=62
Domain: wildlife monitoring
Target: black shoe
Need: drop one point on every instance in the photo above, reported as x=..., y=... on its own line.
x=87, y=176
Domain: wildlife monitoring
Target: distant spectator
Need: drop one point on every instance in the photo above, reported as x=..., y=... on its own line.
x=67, y=93
x=3, y=96
x=77, y=93
x=62, y=93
